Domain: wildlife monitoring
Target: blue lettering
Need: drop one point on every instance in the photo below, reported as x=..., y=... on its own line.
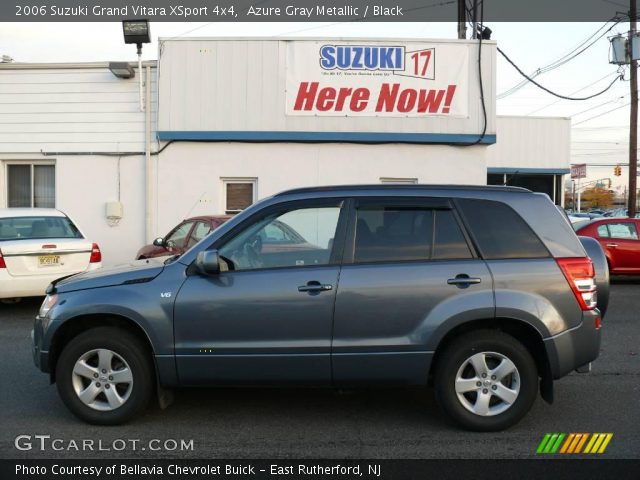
x=357, y=58
x=327, y=57
x=371, y=58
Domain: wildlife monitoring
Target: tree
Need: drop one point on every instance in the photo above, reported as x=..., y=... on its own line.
x=597, y=197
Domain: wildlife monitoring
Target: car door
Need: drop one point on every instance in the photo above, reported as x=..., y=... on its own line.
x=622, y=245
x=408, y=267
x=268, y=318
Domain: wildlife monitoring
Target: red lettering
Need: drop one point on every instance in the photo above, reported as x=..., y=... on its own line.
x=306, y=96
x=407, y=100
x=359, y=99
x=387, y=97
x=430, y=100
x=325, y=99
x=343, y=94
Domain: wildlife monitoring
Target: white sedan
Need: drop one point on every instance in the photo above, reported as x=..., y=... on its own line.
x=37, y=246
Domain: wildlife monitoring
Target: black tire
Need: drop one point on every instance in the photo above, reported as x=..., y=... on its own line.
x=131, y=350
x=456, y=355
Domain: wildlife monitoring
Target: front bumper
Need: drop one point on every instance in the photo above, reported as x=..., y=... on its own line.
x=575, y=347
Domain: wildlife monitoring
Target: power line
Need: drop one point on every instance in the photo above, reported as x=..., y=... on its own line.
x=601, y=114
x=572, y=93
x=564, y=59
x=619, y=77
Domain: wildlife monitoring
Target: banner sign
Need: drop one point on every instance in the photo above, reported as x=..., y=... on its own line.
x=578, y=170
x=377, y=79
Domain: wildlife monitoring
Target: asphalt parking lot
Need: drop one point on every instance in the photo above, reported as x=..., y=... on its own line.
x=253, y=423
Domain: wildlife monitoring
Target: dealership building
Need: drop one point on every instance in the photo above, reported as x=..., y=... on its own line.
x=218, y=123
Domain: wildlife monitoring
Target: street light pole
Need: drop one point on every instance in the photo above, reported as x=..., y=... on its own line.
x=633, y=121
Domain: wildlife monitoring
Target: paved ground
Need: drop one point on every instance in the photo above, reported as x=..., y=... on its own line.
x=327, y=424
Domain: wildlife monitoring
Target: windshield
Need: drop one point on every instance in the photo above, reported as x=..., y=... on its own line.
x=25, y=228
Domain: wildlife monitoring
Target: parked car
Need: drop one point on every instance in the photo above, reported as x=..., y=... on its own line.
x=620, y=241
x=484, y=292
x=182, y=237
x=37, y=246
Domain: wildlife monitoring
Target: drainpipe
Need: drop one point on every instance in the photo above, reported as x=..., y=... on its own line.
x=148, y=165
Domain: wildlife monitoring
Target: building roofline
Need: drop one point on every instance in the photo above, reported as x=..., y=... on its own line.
x=67, y=65
x=539, y=117
x=326, y=39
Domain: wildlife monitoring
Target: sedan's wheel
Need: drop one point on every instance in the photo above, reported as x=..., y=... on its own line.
x=105, y=376
x=486, y=380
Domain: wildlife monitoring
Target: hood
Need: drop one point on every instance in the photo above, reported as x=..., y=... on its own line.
x=138, y=271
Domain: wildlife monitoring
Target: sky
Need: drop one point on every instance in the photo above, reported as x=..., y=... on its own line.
x=600, y=129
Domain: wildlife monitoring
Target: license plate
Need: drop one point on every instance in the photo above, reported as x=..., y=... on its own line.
x=48, y=260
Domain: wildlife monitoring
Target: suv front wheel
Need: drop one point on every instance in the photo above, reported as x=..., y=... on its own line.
x=105, y=376
x=486, y=380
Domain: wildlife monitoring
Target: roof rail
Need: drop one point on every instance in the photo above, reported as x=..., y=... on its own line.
x=397, y=186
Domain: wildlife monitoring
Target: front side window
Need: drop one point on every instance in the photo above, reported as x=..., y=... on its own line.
x=31, y=185
x=178, y=236
x=623, y=231
x=291, y=238
x=200, y=231
x=24, y=228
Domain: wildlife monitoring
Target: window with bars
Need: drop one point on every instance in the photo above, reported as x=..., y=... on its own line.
x=239, y=194
x=31, y=185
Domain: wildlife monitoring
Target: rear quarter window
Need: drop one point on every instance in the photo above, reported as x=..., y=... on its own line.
x=499, y=231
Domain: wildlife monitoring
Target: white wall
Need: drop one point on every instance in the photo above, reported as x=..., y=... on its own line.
x=531, y=142
x=188, y=172
x=71, y=108
x=83, y=186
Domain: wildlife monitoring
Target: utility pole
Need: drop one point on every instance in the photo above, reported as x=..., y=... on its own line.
x=633, y=121
x=462, y=20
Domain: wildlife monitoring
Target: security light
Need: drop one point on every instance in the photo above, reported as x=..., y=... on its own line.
x=122, y=69
x=136, y=31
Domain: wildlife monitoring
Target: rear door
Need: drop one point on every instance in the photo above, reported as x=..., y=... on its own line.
x=408, y=267
x=622, y=245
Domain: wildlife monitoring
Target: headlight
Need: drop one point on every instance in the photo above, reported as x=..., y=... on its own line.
x=49, y=302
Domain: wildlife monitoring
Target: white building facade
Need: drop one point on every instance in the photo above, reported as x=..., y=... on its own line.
x=229, y=121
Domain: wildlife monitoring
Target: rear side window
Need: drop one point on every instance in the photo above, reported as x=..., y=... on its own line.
x=393, y=234
x=500, y=232
x=396, y=234
x=623, y=231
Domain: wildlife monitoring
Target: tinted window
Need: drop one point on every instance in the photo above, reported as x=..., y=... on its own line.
x=602, y=231
x=393, y=234
x=449, y=241
x=500, y=232
x=23, y=228
x=292, y=238
x=623, y=231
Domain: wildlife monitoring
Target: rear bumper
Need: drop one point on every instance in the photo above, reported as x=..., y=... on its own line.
x=30, y=285
x=575, y=347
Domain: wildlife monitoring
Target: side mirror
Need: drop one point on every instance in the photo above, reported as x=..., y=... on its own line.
x=208, y=262
x=159, y=242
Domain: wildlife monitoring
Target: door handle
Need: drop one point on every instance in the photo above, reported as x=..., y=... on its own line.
x=612, y=245
x=314, y=286
x=463, y=280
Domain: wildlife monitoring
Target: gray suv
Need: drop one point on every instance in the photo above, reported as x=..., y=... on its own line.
x=486, y=293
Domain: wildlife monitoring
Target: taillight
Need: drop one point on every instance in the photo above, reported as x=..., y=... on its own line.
x=96, y=255
x=581, y=276
x=2, y=264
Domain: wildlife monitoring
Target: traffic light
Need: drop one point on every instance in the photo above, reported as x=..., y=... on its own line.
x=617, y=170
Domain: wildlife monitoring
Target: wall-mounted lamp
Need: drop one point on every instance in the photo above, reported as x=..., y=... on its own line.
x=122, y=69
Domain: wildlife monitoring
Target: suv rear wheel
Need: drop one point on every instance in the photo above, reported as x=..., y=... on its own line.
x=486, y=380
x=104, y=376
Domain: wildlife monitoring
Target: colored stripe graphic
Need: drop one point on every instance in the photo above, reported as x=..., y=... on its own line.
x=573, y=443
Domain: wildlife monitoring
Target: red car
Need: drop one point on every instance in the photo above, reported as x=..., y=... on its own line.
x=620, y=241
x=182, y=237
